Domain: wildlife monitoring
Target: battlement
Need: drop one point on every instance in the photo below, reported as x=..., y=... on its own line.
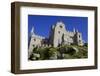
x=37, y=36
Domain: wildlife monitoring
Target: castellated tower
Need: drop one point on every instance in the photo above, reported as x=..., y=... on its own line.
x=57, y=32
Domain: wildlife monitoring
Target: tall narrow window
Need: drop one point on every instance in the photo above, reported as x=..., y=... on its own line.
x=79, y=36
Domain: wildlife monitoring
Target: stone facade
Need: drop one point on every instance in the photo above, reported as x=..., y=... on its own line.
x=58, y=36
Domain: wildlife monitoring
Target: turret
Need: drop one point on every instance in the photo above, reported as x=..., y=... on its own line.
x=32, y=31
x=53, y=26
x=74, y=30
x=77, y=31
x=79, y=38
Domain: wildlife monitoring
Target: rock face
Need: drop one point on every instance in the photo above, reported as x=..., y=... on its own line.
x=35, y=56
x=76, y=50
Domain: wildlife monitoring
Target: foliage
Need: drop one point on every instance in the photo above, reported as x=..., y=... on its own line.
x=86, y=44
x=61, y=52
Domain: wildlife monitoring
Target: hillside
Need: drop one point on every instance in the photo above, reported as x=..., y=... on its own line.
x=62, y=52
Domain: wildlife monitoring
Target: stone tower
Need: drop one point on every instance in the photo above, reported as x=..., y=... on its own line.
x=30, y=42
x=35, y=41
x=79, y=40
x=57, y=32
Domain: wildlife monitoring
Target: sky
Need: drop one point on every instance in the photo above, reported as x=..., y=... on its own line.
x=43, y=23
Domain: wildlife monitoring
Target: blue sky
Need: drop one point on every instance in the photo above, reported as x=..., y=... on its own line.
x=42, y=24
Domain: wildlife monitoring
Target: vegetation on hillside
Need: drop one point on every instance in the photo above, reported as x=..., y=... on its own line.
x=62, y=52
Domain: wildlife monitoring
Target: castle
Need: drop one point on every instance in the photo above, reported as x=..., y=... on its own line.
x=58, y=36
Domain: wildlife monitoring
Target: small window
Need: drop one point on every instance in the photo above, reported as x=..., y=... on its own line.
x=79, y=40
x=33, y=45
x=34, y=39
x=60, y=26
x=59, y=32
x=79, y=36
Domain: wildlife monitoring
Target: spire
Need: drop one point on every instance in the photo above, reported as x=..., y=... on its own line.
x=77, y=30
x=74, y=30
x=52, y=26
x=32, y=30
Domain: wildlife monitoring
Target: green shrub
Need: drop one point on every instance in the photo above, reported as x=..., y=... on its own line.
x=61, y=52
